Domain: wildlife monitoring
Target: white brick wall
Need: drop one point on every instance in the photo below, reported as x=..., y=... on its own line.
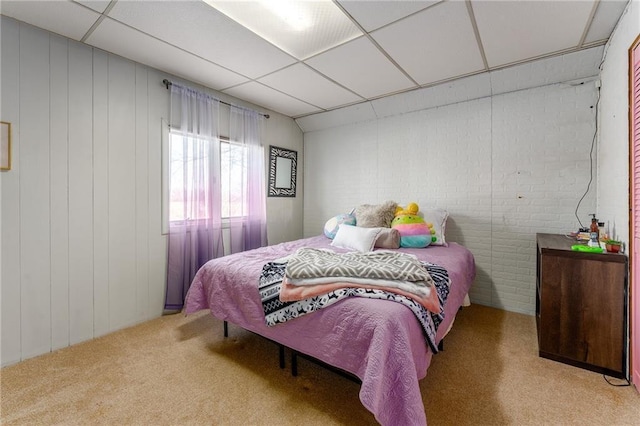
x=541, y=140
x=505, y=166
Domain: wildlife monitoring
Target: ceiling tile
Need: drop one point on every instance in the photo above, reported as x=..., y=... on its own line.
x=605, y=19
x=300, y=28
x=337, y=117
x=462, y=89
x=373, y=14
x=303, y=83
x=271, y=99
x=540, y=27
x=431, y=41
x=360, y=66
x=570, y=67
x=97, y=5
x=198, y=28
x=435, y=44
x=69, y=19
x=117, y=38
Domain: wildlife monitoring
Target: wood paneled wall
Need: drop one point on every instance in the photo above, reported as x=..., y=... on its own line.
x=82, y=247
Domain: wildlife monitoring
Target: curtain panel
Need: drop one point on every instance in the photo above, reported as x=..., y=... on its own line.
x=197, y=236
x=250, y=231
x=200, y=233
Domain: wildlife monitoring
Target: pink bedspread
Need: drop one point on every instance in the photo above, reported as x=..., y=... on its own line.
x=386, y=350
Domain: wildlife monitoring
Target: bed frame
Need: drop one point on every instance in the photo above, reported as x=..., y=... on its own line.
x=226, y=287
x=295, y=354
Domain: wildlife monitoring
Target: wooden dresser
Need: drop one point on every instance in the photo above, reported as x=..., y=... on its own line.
x=581, y=306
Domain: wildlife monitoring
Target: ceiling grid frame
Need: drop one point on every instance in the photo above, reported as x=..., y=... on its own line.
x=82, y=20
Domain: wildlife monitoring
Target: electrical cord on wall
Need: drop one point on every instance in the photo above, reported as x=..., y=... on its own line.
x=593, y=144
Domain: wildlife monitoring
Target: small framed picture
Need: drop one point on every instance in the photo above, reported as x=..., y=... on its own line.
x=5, y=145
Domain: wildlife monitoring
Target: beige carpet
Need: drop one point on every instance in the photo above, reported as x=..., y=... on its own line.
x=180, y=370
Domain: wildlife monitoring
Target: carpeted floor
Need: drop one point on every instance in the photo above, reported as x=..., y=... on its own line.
x=180, y=370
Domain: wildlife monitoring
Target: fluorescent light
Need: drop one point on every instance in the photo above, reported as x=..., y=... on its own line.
x=302, y=28
x=292, y=13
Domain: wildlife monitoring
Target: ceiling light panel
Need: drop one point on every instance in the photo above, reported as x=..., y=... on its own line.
x=65, y=18
x=300, y=28
x=205, y=32
x=117, y=38
x=373, y=14
x=303, y=83
x=436, y=44
x=540, y=27
x=360, y=66
x=605, y=20
x=271, y=99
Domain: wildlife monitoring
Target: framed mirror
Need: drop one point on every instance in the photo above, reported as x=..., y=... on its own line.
x=282, y=172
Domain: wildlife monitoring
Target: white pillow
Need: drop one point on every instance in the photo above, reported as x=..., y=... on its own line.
x=438, y=218
x=355, y=237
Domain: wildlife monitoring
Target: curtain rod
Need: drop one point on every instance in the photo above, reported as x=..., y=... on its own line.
x=168, y=83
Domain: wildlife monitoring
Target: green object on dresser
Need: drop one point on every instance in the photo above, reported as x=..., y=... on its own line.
x=587, y=249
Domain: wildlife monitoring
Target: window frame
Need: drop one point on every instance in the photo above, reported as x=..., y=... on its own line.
x=165, y=184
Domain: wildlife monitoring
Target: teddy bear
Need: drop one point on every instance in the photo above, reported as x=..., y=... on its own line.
x=414, y=231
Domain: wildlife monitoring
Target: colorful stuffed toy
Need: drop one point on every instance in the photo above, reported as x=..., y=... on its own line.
x=414, y=231
x=332, y=225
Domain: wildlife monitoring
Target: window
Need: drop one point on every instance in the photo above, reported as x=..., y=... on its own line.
x=183, y=164
x=233, y=177
x=182, y=154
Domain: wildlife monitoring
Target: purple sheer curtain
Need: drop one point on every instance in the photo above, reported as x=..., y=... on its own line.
x=195, y=225
x=250, y=231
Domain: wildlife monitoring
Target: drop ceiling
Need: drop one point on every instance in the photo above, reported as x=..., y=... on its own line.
x=322, y=55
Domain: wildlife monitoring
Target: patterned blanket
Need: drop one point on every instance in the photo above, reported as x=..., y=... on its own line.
x=277, y=311
x=317, y=263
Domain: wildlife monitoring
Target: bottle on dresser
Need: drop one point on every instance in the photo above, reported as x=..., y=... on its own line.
x=594, y=232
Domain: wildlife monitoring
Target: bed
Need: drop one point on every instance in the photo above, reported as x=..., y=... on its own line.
x=386, y=349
